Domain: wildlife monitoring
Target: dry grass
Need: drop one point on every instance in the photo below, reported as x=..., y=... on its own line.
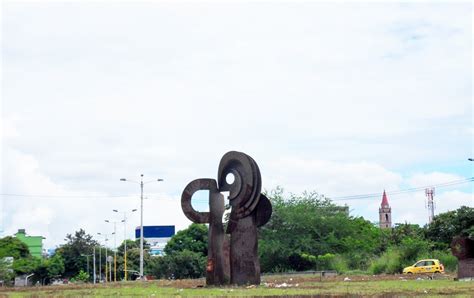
x=272, y=286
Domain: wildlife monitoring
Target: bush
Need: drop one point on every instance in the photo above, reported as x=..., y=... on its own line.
x=449, y=261
x=81, y=276
x=182, y=264
x=412, y=248
x=389, y=262
x=340, y=264
x=302, y=262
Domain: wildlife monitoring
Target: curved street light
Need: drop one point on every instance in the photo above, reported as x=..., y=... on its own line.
x=100, y=259
x=141, y=215
x=124, y=220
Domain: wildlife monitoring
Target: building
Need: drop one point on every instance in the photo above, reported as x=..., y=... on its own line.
x=385, y=213
x=156, y=237
x=34, y=243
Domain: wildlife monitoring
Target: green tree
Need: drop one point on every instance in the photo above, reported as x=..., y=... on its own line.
x=405, y=230
x=26, y=265
x=49, y=268
x=55, y=266
x=82, y=276
x=185, y=255
x=452, y=223
x=13, y=247
x=133, y=256
x=6, y=272
x=78, y=244
x=179, y=265
x=194, y=239
x=311, y=224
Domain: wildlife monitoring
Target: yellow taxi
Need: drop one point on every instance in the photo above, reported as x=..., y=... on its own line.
x=425, y=266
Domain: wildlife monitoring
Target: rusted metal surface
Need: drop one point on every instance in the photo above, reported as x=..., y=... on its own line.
x=463, y=249
x=235, y=259
x=217, y=273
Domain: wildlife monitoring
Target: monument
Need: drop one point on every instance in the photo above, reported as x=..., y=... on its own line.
x=463, y=248
x=232, y=252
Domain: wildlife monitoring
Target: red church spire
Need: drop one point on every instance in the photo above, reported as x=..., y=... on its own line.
x=384, y=200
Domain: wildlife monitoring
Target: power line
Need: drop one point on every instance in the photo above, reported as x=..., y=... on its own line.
x=63, y=196
x=341, y=198
x=403, y=191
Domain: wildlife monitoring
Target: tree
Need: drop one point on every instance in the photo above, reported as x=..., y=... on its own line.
x=179, y=265
x=81, y=276
x=312, y=225
x=133, y=255
x=6, y=272
x=452, y=223
x=55, y=266
x=78, y=244
x=13, y=247
x=49, y=269
x=405, y=230
x=26, y=265
x=185, y=255
x=194, y=239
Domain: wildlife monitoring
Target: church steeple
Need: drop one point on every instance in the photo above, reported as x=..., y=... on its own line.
x=384, y=200
x=385, y=213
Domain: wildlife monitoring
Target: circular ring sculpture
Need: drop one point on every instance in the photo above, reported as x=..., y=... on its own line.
x=233, y=254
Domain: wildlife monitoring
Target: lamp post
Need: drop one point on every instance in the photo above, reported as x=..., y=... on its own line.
x=105, y=239
x=100, y=262
x=87, y=256
x=141, y=216
x=124, y=220
x=115, y=249
x=93, y=266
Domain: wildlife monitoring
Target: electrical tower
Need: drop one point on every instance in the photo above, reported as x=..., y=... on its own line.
x=429, y=192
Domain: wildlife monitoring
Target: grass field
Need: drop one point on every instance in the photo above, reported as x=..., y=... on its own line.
x=277, y=285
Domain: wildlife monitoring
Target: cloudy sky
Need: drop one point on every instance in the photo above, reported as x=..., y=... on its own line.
x=343, y=99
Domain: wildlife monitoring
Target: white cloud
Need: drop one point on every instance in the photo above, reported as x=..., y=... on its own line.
x=330, y=178
x=433, y=178
x=340, y=98
x=53, y=211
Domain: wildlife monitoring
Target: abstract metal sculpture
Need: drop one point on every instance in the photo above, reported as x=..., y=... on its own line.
x=249, y=210
x=463, y=249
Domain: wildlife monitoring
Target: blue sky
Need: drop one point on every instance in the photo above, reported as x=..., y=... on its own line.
x=344, y=99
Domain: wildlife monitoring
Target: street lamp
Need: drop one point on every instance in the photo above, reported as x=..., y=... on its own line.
x=105, y=239
x=115, y=248
x=124, y=220
x=87, y=256
x=141, y=216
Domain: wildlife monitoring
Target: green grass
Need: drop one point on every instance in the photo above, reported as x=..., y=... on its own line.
x=390, y=286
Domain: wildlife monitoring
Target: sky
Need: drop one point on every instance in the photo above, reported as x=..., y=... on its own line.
x=339, y=98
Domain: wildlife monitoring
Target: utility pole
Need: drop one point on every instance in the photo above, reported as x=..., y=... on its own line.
x=115, y=249
x=115, y=252
x=105, y=239
x=141, y=228
x=124, y=220
x=429, y=192
x=100, y=263
x=94, y=263
x=141, y=218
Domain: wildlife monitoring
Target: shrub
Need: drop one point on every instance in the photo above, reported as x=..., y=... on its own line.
x=388, y=262
x=82, y=276
x=449, y=261
x=340, y=264
x=302, y=262
x=412, y=248
x=182, y=264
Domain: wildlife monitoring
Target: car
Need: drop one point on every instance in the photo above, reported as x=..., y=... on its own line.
x=425, y=266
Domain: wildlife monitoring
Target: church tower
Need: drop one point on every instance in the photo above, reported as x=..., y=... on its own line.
x=385, y=213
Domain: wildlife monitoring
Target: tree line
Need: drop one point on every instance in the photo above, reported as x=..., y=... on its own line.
x=306, y=232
